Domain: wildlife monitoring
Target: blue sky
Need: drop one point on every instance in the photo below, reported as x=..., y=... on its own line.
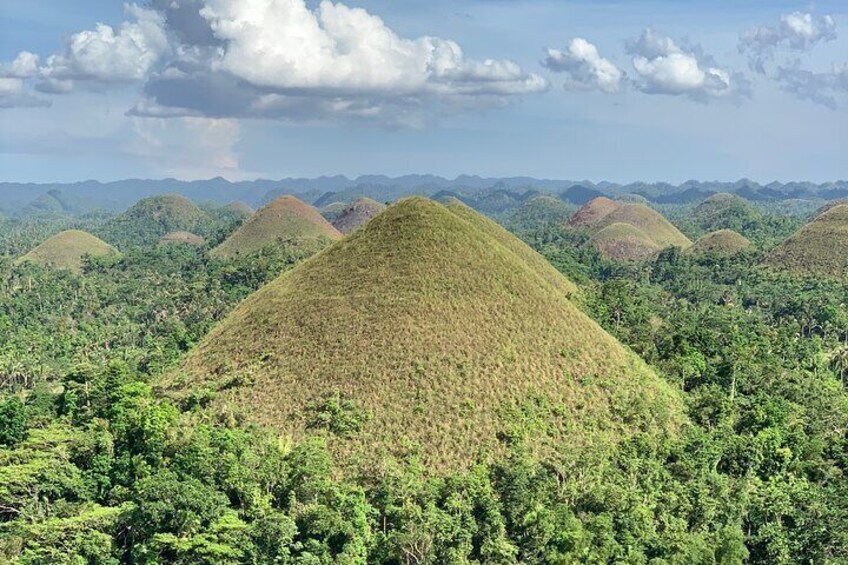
x=655, y=90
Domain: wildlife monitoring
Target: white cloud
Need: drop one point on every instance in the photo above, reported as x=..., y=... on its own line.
x=25, y=65
x=824, y=88
x=13, y=95
x=108, y=55
x=664, y=67
x=584, y=67
x=798, y=31
x=283, y=45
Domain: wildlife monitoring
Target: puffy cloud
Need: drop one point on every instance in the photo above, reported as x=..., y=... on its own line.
x=25, y=65
x=584, y=67
x=664, y=67
x=797, y=31
x=109, y=55
x=281, y=59
x=282, y=45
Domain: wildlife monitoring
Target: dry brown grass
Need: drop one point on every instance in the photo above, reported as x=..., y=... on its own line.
x=435, y=321
x=724, y=243
x=624, y=242
x=66, y=250
x=285, y=221
x=819, y=247
x=357, y=215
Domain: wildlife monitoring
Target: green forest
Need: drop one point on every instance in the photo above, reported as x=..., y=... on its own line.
x=103, y=463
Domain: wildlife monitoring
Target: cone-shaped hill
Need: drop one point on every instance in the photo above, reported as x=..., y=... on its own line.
x=239, y=208
x=437, y=329
x=724, y=243
x=601, y=213
x=287, y=222
x=623, y=242
x=181, y=238
x=539, y=212
x=357, y=214
x=819, y=247
x=724, y=211
x=149, y=219
x=66, y=250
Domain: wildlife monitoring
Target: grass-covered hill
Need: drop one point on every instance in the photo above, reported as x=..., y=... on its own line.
x=724, y=211
x=148, y=220
x=724, y=243
x=357, y=214
x=67, y=250
x=539, y=212
x=284, y=222
x=819, y=247
x=623, y=242
x=602, y=213
x=239, y=208
x=332, y=210
x=430, y=326
x=181, y=238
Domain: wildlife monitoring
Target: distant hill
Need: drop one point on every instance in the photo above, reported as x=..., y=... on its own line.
x=332, y=210
x=67, y=250
x=285, y=222
x=580, y=195
x=539, y=212
x=357, y=214
x=148, y=220
x=603, y=212
x=724, y=211
x=54, y=202
x=820, y=247
x=429, y=329
x=623, y=242
x=239, y=208
x=724, y=243
x=181, y=238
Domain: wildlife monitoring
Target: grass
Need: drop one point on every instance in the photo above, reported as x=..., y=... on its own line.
x=181, y=237
x=285, y=221
x=437, y=324
x=724, y=243
x=603, y=212
x=820, y=247
x=357, y=214
x=66, y=250
x=623, y=242
x=240, y=209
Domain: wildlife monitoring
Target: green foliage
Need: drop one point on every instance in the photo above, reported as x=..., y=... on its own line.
x=13, y=421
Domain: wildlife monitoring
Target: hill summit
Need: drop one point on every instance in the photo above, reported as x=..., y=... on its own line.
x=444, y=330
x=820, y=247
x=151, y=218
x=285, y=221
x=67, y=249
x=724, y=211
x=651, y=228
x=724, y=243
x=357, y=214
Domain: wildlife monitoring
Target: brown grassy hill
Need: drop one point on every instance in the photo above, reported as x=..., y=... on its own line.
x=623, y=242
x=819, y=247
x=286, y=221
x=357, y=214
x=442, y=333
x=603, y=212
x=241, y=209
x=828, y=206
x=66, y=250
x=592, y=213
x=332, y=210
x=181, y=238
x=724, y=243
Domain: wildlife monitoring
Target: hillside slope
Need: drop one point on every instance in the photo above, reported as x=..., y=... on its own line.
x=603, y=212
x=819, y=247
x=151, y=218
x=357, y=214
x=66, y=250
x=725, y=243
x=286, y=222
x=440, y=331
